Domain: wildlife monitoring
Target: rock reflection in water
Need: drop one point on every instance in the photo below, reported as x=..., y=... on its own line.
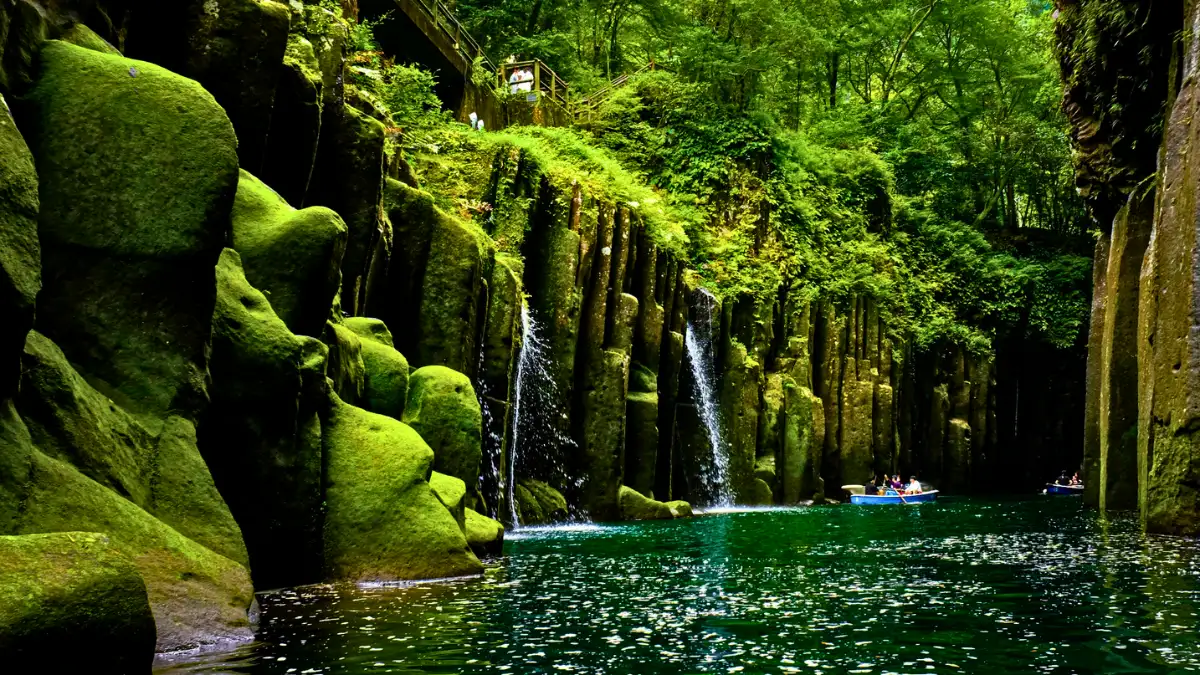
x=967, y=586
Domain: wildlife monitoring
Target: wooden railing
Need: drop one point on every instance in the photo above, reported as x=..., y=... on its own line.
x=533, y=76
x=588, y=105
x=448, y=24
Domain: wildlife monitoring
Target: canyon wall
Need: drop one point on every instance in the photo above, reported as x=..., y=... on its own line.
x=1130, y=94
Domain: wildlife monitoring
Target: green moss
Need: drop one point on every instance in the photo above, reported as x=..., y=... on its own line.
x=386, y=385
x=680, y=508
x=261, y=435
x=20, y=254
x=293, y=257
x=82, y=36
x=198, y=597
x=370, y=329
x=137, y=169
x=442, y=407
x=452, y=493
x=73, y=588
x=383, y=521
x=635, y=506
x=157, y=467
x=484, y=535
x=538, y=503
x=345, y=367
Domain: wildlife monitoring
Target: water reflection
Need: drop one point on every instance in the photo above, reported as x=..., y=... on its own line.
x=966, y=586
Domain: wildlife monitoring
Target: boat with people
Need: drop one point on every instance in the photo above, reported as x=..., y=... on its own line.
x=894, y=497
x=1056, y=489
x=1065, y=485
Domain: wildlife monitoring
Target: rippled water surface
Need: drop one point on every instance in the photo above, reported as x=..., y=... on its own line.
x=970, y=586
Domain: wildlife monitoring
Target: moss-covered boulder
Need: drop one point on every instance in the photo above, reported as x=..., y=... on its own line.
x=198, y=597
x=452, y=493
x=293, y=257
x=636, y=506
x=383, y=521
x=156, y=464
x=386, y=385
x=442, y=407
x=484, y=535
x=20, y=254
x=538, y=503
x=75, y=589
x=137, y=171
x=262, y=434
x=680, y=508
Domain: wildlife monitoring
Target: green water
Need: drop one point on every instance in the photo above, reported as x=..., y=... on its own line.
x=962, y=586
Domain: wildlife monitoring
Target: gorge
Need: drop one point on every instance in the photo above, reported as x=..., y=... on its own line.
x=283, y=326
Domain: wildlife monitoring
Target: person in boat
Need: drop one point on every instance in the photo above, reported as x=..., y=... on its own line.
x=871, y=488
x=1075, y=479
x=1062, y=479
x=896, y=484
x=914, y=487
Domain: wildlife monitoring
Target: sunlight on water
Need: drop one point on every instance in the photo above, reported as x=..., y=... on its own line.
x=970, y=586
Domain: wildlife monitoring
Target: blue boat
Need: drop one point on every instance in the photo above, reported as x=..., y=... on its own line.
x=892, y=497
x=1056, y=489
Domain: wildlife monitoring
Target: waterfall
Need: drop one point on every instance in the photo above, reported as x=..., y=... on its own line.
x=698, y=347
x=533, y=390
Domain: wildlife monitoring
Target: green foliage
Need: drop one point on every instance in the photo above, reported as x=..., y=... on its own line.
x=894, y=149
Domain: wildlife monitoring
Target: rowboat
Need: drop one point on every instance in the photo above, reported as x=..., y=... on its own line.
x=1055, y=489
x=893, y=498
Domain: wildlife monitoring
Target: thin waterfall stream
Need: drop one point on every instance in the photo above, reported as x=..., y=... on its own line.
x=699, y=350
x=533, y=391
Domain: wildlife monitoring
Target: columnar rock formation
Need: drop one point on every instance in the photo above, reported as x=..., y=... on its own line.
x=1131, y=98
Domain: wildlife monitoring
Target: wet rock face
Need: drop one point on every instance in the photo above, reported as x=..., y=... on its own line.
x=1169, y=358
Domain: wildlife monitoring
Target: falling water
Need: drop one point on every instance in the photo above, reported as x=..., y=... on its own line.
x=533, y=397
x=699, y=349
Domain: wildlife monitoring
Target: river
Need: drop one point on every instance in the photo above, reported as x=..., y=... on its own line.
x=961, y=586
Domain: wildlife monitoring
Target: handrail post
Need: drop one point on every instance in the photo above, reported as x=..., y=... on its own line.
x=537, y=77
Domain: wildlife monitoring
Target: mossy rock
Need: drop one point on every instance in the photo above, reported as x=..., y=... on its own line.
x=293, y=257
x=484, y=535
x=386, y=385
x=636, y=506
x=235, y=49
x=641, y=441
x=680, y=508
x=436, y=280
x=442, y=407
x=452, y=493
x=538, y=503
x=20, y=253
x=383, y=521
x=295, y=122
x=137, y=171
x=370, y=329
x=82, y=36
x=198, y=597
x=345, y=368
x=261, y=436
x=348, y=178
x=73, y=588
x=158, y=467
